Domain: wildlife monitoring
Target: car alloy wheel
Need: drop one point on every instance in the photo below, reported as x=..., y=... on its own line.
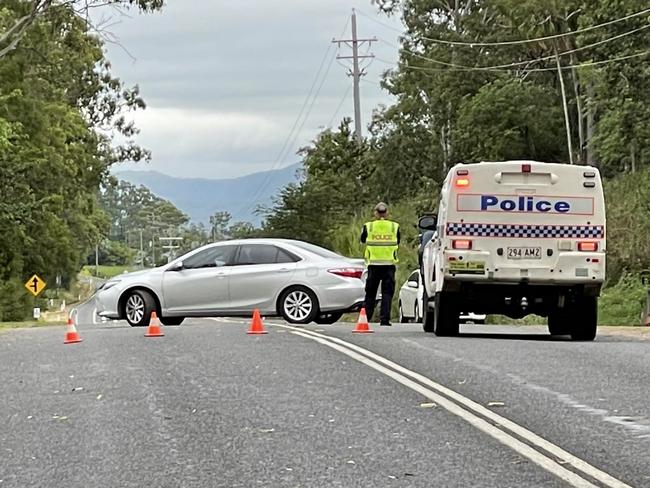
x=298, y=305
x=135, y=308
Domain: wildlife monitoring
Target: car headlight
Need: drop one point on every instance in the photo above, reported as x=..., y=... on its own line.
x=108, y=284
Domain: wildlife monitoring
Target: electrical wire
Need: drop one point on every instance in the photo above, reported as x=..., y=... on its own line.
x=511, y=43
x=293, y=133
x=571, y=66
x=338, y=108
x=520, y=63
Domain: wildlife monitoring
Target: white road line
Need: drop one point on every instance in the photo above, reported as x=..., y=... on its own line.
x=402, y=375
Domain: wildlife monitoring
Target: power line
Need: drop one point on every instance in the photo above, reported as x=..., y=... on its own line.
x=570, y=66
x=511, y=43
x=520, y=63
x=293, y=133
x=338, y=108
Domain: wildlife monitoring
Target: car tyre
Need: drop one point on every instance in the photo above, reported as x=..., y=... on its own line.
x=172, y=320
x=138, y=306
x=298, y=305
x=446, y=315
x=402, y=319
x=584, y=322
x=328, y=318
x=428, y=315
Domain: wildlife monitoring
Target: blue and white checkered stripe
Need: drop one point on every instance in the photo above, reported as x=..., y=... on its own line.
x=527, y=231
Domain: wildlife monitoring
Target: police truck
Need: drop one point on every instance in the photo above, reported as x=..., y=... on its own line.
x=516, y=238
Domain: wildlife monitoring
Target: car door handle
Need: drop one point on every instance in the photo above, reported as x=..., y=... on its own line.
x=221, y=274
x=284, y=270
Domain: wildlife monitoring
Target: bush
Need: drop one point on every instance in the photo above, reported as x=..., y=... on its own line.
x=16, y=303
x=623, y=303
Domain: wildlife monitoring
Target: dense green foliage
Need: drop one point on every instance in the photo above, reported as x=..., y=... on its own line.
x=61, y=110
x=460, y=100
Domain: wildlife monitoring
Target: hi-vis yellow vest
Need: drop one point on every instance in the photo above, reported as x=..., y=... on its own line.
x=381, y=242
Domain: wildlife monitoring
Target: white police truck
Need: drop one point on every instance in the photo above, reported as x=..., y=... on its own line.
x=516, y=238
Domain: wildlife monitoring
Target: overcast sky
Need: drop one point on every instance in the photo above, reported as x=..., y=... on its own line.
x=225, y=80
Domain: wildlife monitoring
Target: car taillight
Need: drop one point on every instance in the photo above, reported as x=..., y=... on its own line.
x=462, y=182
x=587, y=246
x=347, y=272
x=463, y=244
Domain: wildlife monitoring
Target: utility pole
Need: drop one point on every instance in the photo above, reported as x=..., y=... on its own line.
x=141, y=252
x=356, y=72
x=170, y=246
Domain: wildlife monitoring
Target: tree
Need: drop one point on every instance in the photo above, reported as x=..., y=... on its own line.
x=219, y=222
x=14, y=28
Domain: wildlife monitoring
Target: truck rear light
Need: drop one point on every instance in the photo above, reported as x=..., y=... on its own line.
x=347, y=272
x=462, y=172
x=525, y=168
x=462, y=244
x=587, y=246
x=462, y=182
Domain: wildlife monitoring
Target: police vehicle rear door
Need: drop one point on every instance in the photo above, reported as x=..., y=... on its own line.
x=526, y=220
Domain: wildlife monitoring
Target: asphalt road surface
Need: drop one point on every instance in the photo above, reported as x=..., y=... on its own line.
x=210, y=406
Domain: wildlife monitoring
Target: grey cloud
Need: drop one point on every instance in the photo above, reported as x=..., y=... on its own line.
x=254, y=58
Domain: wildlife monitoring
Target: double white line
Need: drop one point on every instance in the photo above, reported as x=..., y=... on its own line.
x=545, y=454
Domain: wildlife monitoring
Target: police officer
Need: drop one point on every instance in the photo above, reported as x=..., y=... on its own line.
x=382, y=237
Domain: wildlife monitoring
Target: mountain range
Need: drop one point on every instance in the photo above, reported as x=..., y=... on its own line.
x=200, y=198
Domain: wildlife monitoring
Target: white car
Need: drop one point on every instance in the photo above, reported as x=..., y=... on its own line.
x=296, y=280
x=410, y=303
x=410, y=299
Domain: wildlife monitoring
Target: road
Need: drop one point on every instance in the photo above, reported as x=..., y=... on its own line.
x=210, y=406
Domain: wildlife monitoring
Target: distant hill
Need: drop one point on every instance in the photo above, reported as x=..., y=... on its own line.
x=201, y=197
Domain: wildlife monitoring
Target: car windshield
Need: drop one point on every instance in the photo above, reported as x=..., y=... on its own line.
x=319, y=251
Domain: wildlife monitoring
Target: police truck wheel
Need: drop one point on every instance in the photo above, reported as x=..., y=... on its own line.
x=428, y=315
x=446, y=315
x=585, y=319
x=558, y=322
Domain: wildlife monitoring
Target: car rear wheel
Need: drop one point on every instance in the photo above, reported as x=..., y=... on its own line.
x=172, y=320
x=138, y=307
x=328, y=318
x=298, y=305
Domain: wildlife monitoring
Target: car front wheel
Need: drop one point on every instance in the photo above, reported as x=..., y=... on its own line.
x=298, y=305
x=138, y=307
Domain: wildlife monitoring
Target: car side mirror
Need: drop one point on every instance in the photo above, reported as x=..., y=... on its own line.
x=177, y=267
x=428, y=222
x=412, y=284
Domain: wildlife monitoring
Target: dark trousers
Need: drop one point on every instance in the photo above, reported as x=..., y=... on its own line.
x=385, y=275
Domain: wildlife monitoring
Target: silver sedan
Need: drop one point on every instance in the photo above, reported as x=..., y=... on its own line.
x=296, y=280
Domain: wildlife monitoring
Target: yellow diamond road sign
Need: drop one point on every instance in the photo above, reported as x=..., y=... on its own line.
x=35, y=285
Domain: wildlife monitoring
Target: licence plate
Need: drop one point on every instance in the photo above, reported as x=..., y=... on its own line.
x=524, y=253
x=467, y=267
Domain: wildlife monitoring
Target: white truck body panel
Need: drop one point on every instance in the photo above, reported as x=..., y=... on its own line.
x=523, y=221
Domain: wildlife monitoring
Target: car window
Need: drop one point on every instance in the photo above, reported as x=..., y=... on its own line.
x=415, y=276
x=263, y=254
x=212, y=257
x=319, y=251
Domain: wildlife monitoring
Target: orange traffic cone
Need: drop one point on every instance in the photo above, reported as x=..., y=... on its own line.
x=154, y=329
x=362, y=324
x=71, y=334
x=257, y=327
